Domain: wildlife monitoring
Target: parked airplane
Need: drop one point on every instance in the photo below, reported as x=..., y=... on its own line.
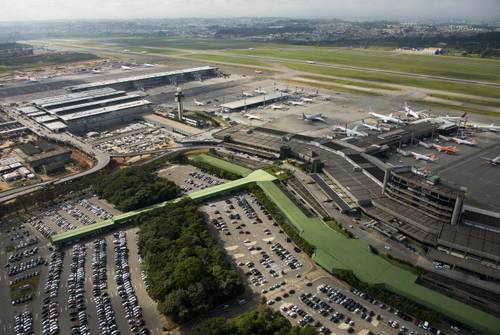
x=403, y=152
x=371, y=127
x=350, y=132
x=421, y=157
x=296, y=103
x=96, y=71
x=252, y=117
x=149, y=65
x=306, y=99
x=247, y=95
x=259, y=91
x=454, y=118
x=386, y=118
x=126, y=68
x=426, y=145
x=492, y=161
x=199, y=103
x=259, y=72
x=490, y=127
x=466, y=142
x=313, y=117
x=410, y=112
x=310, y=62
x=447, y=149
x=277, y=107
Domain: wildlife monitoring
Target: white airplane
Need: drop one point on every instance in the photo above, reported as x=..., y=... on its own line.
x=427, y=158
x=458, y=140
x=313, y=117
x=259, y=72
x=125, y=68
x=247, y=95
x=386, y=118
x=492, y=161
x=296, y=103
x=306, y=99
x=413, y=113
x=491, y=127
x=454, y=118
x=371, y=127
x=149, y=65
x=403, y=152
x=259, y=91
x=33, y=79
x=350, y=132
x=426, y=145
x=310, y=62
x=252, y=117
x=96, y=71
x=199, y=103
x=277, y=107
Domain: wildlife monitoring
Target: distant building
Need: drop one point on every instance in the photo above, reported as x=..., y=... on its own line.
x=89, y=110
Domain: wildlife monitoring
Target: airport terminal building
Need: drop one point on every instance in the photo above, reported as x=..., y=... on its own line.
x=88, y=110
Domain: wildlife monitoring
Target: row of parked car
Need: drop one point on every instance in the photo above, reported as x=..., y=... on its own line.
x=57, y=219
x=23, y=323
x=285, y=255
x=23, y=277
x=336, y=296
x=133, y=312
x=76, y=213
x=76, y=291
x=105, y=313
x=25, y=243
x=98, y=211
x=18, y=256
x=24, y=266
x=41, y=227
x=50, y=313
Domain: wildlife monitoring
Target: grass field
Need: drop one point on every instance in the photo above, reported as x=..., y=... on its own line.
x=32, y=62
x=331, y=86
x=188, y=43
x=457, y=108
x=479, y=90
x=454, y=67
x=228, y=59
x=350, y=82
x=467, y=100
x=33, y=281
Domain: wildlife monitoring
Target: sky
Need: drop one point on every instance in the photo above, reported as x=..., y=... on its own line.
x=23, y=10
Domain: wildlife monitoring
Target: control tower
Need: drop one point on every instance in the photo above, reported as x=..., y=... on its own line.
x=179, y=96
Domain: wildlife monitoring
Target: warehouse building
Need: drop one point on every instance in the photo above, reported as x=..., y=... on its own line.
x=151, y=80
x=89, y=110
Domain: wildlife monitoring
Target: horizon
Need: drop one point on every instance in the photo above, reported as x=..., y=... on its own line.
x=355, y=10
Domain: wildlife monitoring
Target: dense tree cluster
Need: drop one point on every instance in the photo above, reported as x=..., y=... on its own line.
x=260, y=321
x=135, y=187
x=188, y=273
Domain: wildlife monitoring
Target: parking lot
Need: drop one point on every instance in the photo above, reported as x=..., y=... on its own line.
x=189, y=178
x=255, y=242
x=135, y=137
x=90, y=288
x=274, y=268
